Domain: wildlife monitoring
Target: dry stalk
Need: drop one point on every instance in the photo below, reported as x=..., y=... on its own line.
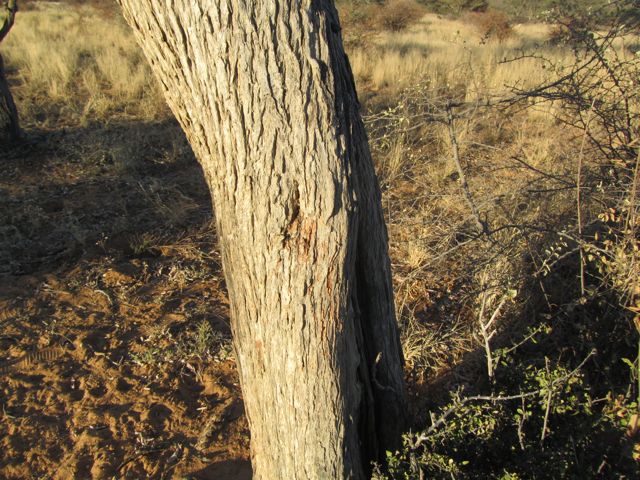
x=631, y=214
x=521, y=425
x=487, y=330
x=547, y=410
x=579, y=198
x=482, y=228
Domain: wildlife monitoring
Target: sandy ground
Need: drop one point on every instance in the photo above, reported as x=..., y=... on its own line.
x=115, y=357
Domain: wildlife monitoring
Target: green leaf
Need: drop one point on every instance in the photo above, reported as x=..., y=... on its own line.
x=629, y=363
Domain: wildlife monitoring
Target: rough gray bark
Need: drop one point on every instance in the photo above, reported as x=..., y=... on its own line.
x=265, y=94
x=9, y=126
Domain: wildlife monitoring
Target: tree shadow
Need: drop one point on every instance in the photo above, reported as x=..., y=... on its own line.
x=108, y=251
x=226, y=470
x=93, y=191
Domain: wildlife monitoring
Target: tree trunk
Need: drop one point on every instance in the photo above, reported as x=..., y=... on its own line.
x=266, y=97
x=9, y=126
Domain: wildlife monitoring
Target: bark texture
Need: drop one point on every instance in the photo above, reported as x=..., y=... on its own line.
x=9, y=126
x=265, y=94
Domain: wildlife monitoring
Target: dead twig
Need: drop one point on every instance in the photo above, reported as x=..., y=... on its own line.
x=480, y=225
x=579, y=199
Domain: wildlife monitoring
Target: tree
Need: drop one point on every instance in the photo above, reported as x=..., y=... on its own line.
x=9, y=126
x=265, y=94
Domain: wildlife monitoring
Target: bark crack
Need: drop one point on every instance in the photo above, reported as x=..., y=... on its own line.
x=292, y=212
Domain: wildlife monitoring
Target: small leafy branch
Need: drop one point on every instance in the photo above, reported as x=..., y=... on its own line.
x=482, y=416
x=460, y=403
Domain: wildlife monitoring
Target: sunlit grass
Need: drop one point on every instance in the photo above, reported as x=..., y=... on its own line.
x=453, y=54
x=71, y=65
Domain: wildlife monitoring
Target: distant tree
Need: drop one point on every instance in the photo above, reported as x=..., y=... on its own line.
x=265, y=94
x=9, y=126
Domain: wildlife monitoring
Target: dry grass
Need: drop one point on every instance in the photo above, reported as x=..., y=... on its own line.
x=452, y=54
x=73, y=66
x=518, y=164
x=441, y=270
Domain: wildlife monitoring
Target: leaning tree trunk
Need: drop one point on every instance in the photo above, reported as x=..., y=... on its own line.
x=9, y=126
x=266, y=97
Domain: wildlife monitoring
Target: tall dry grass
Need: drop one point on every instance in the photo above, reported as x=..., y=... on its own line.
x=72, y=66
x=453, y=54
x=519, y=164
